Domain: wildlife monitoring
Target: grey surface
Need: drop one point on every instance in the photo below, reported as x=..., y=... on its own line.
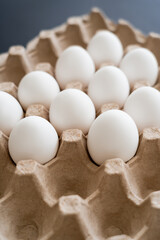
x=21, y=20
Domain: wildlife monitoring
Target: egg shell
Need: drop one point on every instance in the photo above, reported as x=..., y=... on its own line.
x=10, y=112
x=33, y=138
x=108, y=85
x=71, y=109
x=112, y=135
x=37, y=87
x=74, y=65
x=140, y=64
x=105, y=47
x=143, y=105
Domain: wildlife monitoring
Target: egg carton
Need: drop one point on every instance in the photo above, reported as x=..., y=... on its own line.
x=71, y=198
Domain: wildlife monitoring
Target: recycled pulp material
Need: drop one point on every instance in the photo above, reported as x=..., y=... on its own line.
x=70, y=198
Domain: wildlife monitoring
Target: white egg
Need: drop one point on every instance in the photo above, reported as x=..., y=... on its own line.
x=140, y=64
x=143, y=105
x=72, y=109
x=74, y=64
x=105, y=47
x=112, y=135
x=109, y=85
x=10, y=112
x=33, y=138
x=37, y=87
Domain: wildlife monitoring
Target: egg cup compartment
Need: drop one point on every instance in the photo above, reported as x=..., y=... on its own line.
x=70, y=197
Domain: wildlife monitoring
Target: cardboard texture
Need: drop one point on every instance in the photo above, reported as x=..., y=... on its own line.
x=71, y=198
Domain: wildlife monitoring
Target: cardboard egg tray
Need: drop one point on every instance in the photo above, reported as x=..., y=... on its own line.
x=70, y=198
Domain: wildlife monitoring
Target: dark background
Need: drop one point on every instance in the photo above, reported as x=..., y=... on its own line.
x=21, y=20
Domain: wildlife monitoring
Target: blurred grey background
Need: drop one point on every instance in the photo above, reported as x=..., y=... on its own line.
x=21, y=20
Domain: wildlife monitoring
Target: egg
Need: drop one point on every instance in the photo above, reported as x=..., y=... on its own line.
x=37, y=87
x=143, y=105
x=105, y=47
x=10, y=112
x=72, y=109
x=112, y=135
x=140, y=64
x=33, y=138
x=74, y=65
x=109, y=85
